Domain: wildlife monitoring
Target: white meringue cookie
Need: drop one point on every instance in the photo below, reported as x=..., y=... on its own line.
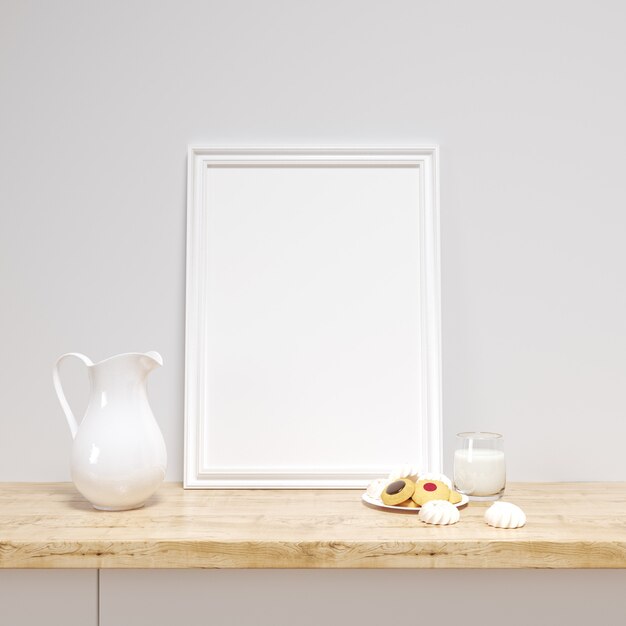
x=440, y=512
x=505, y=515
x=375, y=488
x=434, y=476
x=404, y=471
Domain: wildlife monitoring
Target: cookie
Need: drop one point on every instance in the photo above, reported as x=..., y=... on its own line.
x=408, y=504
x=435, y=476
x=439, y=512
x=455, y=497
x=427, y=490
x=505, y=515
x=397, y=491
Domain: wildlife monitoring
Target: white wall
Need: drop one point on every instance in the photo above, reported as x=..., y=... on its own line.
x=99, y=101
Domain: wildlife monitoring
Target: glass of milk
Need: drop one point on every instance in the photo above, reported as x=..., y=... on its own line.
x=479, y=469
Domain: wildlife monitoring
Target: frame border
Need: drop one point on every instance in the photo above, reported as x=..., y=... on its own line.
x=426, y=158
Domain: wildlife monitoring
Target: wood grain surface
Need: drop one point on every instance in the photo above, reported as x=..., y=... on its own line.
x=570, y=525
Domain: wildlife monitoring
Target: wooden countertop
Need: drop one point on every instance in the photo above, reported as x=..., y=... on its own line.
x=570, y=525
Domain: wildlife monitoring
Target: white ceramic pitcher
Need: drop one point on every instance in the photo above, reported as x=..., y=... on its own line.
x=118, y=457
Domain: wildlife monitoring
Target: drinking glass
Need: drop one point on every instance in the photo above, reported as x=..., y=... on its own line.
x=479, y=468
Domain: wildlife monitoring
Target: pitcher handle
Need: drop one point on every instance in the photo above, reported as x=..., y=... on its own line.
x=71, y=420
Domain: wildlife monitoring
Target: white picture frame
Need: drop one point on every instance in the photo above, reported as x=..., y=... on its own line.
x=241, y=252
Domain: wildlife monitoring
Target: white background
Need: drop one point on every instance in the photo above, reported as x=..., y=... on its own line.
x=99, y=101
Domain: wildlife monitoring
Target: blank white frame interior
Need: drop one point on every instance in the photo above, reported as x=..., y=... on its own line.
x=313, y=341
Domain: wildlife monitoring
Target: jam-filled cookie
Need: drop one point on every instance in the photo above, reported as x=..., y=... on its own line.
x=397, y=491
x=427, y=490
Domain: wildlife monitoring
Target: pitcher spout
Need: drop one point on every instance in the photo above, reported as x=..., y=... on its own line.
x=151, y=360
x=126, y=368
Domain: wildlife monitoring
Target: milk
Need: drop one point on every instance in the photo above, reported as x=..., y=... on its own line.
x=479, y=471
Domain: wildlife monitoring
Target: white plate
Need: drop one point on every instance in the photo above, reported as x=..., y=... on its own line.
x=380, y=505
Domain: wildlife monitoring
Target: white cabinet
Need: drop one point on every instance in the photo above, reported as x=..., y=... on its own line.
x=30, y=597
x=310, y=597
x=360, y=597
